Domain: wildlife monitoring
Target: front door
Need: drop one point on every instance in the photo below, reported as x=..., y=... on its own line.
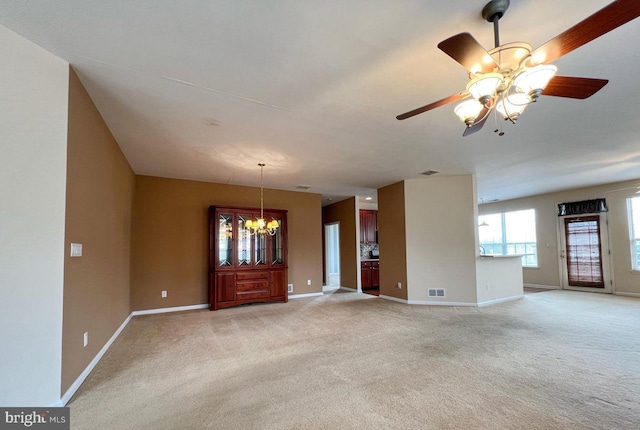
x=584, y=253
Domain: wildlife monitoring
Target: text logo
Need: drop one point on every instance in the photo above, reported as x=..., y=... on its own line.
x=34, y=418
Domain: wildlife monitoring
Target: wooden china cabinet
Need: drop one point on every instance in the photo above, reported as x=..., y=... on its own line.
x=245, y=268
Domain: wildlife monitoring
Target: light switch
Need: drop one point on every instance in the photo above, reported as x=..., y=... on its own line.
x=76, y=250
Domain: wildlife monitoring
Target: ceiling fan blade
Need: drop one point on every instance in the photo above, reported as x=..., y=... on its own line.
x=606, y=19
x=572, y=87
x=467, y=51
x=433, y=105
x=477, y=126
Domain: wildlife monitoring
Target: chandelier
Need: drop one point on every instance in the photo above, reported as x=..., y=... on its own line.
x=260, y=226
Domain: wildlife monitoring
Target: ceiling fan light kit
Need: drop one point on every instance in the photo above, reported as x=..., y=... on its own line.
x=512, y=106
x=468, y=111
x=484, y=86
x=511, y=76
x=532, y=81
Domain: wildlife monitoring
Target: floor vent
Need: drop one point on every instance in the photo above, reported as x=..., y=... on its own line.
x=289, y=288
x=436, y=292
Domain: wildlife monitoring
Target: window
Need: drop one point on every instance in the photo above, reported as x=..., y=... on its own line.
x=510, y=233
x=633, y=205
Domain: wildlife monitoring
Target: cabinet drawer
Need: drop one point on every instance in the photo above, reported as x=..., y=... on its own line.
x=366, y=264
x=247, y=286
x=251, y=276
x=251, y=295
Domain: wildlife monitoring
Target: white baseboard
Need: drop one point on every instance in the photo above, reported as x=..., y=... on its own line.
x=619, y=293
x=172, y=309
x=349, y=289
x=504, y=299
x=432, y=303
x=546, y=287
x=80, y=379
x=425, y=302
x=393, y=299
x=299, y=296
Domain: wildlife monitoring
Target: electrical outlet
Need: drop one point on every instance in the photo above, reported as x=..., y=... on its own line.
x=290, y=288
x=164, y=294
x=399, y=285
x=86, y=338
x=308, y=281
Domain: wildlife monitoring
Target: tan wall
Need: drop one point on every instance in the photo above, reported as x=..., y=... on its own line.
x=392, y=240
x=344, y=212
x=100, y=187
x=545, y=205
x=441, y=224
x=170, y=238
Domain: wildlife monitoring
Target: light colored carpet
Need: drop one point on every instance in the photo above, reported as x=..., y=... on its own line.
x=552, y=360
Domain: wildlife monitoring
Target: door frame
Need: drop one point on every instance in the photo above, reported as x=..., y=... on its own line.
x=327, y=250
x=605, y=249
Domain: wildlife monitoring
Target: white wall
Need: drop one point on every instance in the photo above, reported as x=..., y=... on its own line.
x=33, y=142
x=499, y=279
x=441, y=235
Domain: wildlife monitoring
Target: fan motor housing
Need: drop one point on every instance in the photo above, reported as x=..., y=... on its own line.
x=495, y=9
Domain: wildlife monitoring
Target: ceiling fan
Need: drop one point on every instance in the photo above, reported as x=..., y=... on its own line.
x=509, y=77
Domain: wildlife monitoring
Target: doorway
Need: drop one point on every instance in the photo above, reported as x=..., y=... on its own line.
x=332, y=254
x=584, y=253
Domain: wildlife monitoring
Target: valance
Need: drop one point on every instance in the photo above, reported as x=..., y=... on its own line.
x=583, y=207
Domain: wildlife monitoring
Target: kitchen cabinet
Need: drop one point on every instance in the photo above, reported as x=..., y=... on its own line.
x=368, y=226
x=370, y=274
x=245, y=268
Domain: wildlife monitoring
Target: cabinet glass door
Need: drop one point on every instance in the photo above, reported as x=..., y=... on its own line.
x=260, y=249
x=244, y=242
x=277, y=253
x=225, y=240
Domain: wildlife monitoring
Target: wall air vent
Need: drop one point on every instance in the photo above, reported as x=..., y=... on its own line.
x=429, y=172
x=436, y=292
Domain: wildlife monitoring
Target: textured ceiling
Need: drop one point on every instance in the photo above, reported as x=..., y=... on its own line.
x=205, y=90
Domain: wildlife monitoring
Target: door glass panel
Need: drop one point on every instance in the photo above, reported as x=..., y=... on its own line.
x=260, y=249
x=584, y=259
x=244, y=242
x=277, y=256
x=225, y=240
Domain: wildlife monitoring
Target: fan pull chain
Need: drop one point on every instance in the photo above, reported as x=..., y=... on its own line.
x=499, y=131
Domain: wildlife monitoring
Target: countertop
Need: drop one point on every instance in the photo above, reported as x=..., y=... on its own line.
x=500, y=256
x=369, y=259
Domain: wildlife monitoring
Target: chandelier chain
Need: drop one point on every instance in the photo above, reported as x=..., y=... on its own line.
x=261, y=191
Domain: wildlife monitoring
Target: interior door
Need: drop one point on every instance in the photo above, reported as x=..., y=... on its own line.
x=584, y=253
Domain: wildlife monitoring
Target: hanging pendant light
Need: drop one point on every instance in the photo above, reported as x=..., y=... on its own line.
x=260, y=226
